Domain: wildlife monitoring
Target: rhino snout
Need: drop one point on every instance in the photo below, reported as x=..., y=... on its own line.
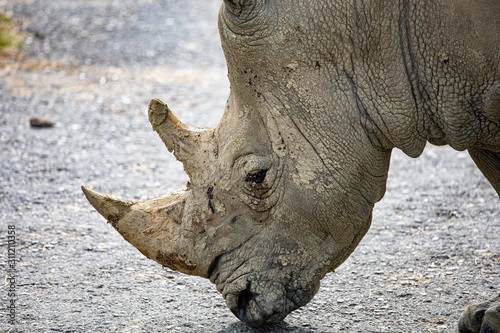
x=267, y=299
x=259, y=303
x=248, y=310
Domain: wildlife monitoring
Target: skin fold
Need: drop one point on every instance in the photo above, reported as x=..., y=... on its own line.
x=282, y=190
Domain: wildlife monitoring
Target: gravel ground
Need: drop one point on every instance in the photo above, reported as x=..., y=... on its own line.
x=91, y=68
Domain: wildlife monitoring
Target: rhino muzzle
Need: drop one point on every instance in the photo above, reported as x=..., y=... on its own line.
x=260, y=301
x=256, y=306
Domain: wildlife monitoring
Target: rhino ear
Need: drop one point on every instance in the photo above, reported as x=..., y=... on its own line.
x=241, y=7
x=250, y=17
x=235, y=6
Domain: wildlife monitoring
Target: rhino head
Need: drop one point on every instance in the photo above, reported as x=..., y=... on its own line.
x=282, y=190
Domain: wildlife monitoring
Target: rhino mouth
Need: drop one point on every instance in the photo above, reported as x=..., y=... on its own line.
x=253, y=310
x=257, y=302
x=260, y=299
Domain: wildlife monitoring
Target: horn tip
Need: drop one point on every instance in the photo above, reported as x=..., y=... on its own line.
x=89, y=194
x=111, y=209
x=157, y=112
x=94, y=198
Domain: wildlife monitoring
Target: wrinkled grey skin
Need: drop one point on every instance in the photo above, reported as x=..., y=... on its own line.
x=282, y=190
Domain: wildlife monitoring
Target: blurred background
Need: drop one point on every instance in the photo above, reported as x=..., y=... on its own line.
x=75, y=81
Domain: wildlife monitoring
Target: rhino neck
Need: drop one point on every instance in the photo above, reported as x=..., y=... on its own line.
x=421, y=74
x=375, y=60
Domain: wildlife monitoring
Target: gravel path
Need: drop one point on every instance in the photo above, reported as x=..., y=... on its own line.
x=91, y=68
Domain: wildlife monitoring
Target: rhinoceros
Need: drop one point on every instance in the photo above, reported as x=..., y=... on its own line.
x=282, y=190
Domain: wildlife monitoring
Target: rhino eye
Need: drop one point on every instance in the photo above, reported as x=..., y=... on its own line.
x=258, y=181
x=256, y=177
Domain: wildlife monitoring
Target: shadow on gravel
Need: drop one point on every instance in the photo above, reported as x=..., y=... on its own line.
x=282, y=327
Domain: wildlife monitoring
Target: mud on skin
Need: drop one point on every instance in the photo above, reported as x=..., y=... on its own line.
x=429, y=246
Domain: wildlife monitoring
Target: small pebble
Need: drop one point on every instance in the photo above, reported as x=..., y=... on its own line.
x=40, y=122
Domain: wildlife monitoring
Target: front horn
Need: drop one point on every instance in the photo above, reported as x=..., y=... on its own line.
x=153, y=227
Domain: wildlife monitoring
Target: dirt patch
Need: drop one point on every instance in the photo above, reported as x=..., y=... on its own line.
x=11, y=38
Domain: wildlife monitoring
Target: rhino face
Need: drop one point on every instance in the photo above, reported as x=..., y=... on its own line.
x=278, y=249
x=276, y=197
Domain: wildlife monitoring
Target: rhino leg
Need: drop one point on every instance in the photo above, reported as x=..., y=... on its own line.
x=481, y=317
x=484, y=317
x=489, y=164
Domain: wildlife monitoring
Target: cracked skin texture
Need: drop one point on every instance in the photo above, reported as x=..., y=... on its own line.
x=282, y=190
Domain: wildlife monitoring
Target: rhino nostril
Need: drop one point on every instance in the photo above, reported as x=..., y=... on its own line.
x=247, y=308
x=244, y=298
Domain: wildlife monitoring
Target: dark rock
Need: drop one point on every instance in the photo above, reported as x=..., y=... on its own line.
x=40, y=123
